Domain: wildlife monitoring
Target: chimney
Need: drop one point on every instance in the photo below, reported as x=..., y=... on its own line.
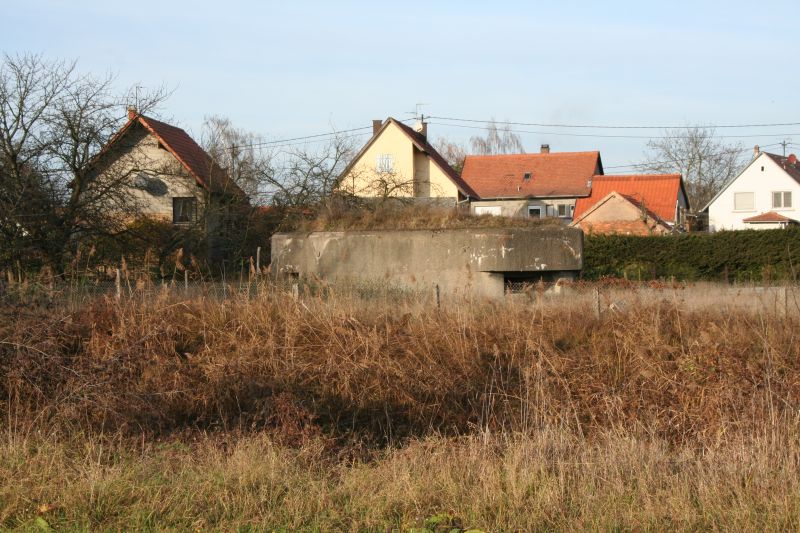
x=756, y=151
x=421, y=127
x=131, y=112
x=376, y=126
x=792, y=159
x=545, y=149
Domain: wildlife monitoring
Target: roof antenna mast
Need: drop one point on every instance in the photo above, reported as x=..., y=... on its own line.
x=417, y=113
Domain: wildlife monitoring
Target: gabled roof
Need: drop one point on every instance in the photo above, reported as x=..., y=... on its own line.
x=422, y=144
x=206, y=172
x=560, y=174
x=614, y=194
x=789, y=164
x=658, y=193
x=769, y=217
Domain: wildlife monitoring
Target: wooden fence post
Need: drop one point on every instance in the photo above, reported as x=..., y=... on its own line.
x=186, y=281
x=596, y=305
x=258, y=262
x=438, y=299
x=295, y=291
x=118, y=284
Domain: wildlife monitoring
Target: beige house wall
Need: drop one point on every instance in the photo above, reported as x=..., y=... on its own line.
x=519, y=208
x=413, y=173
x=139, y=153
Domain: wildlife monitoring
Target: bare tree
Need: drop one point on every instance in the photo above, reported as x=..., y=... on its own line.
x=52, y=122
x=705, y=162
x=303, y=177
x=453, y=153
x=498, y=140
x=236, y=150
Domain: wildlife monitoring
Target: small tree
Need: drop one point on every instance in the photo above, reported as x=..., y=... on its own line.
x=52, y=122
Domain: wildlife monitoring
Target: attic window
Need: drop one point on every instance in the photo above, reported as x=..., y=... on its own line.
x=526, y=176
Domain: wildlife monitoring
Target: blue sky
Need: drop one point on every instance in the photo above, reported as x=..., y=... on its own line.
x=285, y=69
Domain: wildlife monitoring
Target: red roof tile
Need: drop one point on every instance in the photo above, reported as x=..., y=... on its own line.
x=551, y=175
x=658, y=193
x=769, y=216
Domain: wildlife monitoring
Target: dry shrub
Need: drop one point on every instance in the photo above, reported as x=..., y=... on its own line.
x=383, y=372
x=400, y=216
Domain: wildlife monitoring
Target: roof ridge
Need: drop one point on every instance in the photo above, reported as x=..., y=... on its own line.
x=526, y=154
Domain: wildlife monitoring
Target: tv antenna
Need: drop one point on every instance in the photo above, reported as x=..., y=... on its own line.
x=417, y=113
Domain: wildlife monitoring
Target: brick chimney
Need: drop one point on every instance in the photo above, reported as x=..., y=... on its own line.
x=131, y=112
x=376, y=126
x=756, y=151
x=792, y=160
x=545, y=149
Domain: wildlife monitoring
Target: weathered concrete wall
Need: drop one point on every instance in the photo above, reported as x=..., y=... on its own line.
x=467, y=262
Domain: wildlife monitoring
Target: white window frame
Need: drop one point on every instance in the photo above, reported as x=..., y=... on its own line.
x=744, y=210
x=559, y=207
x=783, y=197
x=384, y=163
x=536, y=208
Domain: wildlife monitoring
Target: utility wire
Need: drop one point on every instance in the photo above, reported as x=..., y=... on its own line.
x=319, y=136
x=601, y=126
x=644, y=165
x=605, y=136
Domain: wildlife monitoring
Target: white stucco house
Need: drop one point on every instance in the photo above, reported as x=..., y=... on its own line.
x=765, y=195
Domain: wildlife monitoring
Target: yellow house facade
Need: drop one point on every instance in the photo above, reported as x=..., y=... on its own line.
x=399, y=162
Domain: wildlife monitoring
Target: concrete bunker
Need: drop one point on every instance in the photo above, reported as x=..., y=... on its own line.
x=480, y=262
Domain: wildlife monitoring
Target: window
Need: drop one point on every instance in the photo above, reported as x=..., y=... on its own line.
x=487, y=210
x=744, y=201
x=562, y=210
x=782, y=200
x=534, y=211
x=550, y=210
x=526, y=176
x=572, y=211
x=184, y=210
x=385, y=163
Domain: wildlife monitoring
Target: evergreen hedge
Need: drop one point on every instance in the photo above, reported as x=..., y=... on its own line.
x=744, y=256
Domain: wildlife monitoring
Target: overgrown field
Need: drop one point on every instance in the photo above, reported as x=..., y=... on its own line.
x=343, y=414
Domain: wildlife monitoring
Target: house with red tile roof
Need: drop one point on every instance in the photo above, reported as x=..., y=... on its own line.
x=633, y=204
x=399, y=162
x=530, y=185
x=620, y=214
x=764, y=195
x=160, y=172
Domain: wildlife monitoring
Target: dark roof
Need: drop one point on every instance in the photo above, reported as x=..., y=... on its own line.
x=551, y=174
x=788, y=163
x=421, y=142
x=659, y=193
x=769, y=217
x=206, y=172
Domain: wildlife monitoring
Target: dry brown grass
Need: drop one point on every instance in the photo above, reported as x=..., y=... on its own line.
x=411, y=217
x=341, y=414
